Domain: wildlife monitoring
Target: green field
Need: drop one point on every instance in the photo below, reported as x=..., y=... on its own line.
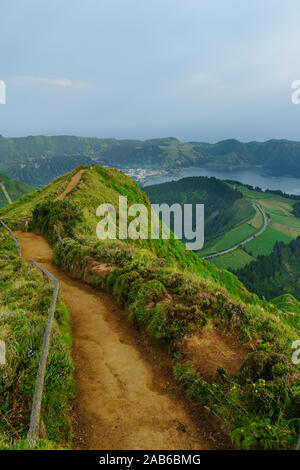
x=283, y=226
x=234, y=236
x=264, y=244
x=235, y=259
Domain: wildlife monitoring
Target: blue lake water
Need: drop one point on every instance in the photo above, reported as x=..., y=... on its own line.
x=256, y=177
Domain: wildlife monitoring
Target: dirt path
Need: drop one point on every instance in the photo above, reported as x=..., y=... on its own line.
x=125, y=393
x=2, y=186
x=74, y=182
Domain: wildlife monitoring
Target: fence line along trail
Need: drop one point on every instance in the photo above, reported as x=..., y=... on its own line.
x=125, y=398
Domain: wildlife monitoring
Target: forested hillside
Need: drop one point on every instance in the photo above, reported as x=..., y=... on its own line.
x=39, y=170
x=169, y=153
x=225, y=208
x=276, y=274
x=296, y=210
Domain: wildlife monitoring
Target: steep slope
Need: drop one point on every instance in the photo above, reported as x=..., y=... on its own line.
x=225, y=208
x=183, y=303
x=40, y=171
x=276, y=274
x=288, y=304
x=105, y=185
x=11, y=190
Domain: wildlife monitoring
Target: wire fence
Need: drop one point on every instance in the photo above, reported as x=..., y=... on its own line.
x=58, y=234
x=35, y=417
x=18, y=223
x=13, y=237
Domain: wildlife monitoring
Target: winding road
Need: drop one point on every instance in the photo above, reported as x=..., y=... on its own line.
x=244, y=242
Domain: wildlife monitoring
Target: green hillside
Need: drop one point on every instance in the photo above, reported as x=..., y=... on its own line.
x=275, y=274
x=40, y=171
x=14, y=189
x=27, y=158
x=283, y=226
x=174, y=295
x=228, y=214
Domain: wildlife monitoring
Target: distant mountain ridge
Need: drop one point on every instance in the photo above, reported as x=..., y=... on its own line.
x=21, y=157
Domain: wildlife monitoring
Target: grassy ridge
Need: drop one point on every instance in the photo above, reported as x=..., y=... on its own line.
x=172, y=293
x=261, y=402
x=23, y=207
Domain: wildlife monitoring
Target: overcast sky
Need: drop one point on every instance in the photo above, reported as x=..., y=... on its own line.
x=192, y=69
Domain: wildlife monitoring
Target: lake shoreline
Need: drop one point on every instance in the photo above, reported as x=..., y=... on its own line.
x=256, y=177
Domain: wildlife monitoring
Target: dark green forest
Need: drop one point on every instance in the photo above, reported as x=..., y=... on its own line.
x=296, y=210
x=276, y=274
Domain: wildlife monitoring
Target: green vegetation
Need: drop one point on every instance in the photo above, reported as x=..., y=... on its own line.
x=61, y=213
x=42, y=170
x=277, y=273
x=24, y=304
x=170, y=293
x=14, y=188
x=296, y=210
x=23, y=207
x=38, y=160
x=234, y=260
x=234, y=237
x=264, y=244
x=105, y=185
x=227, y=213
x=288, y=304
x=283, y=226
x=261, y=402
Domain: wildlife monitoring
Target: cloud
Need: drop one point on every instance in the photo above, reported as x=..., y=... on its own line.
x=24, y=80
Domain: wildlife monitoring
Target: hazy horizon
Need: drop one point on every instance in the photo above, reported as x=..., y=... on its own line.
x=144, y=140
x=126, y=69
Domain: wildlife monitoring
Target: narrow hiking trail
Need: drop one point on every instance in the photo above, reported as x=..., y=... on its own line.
x=2, y=186
x=126, y=397
x=73, y=183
